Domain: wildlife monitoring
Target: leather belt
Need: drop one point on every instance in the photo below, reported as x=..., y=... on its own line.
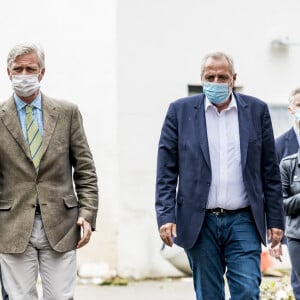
x=223, y=211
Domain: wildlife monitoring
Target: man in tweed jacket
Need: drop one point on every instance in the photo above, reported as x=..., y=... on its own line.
x=41, y=215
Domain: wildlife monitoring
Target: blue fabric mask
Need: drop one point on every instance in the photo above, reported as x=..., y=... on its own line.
x=217, y=93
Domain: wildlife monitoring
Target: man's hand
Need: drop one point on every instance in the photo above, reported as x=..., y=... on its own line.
x=86, y=232
x=167, y=232
x=275, y=236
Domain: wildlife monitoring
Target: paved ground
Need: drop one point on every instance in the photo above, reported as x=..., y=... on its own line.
x=168, y=289
x=179, y=289
x=171, y=289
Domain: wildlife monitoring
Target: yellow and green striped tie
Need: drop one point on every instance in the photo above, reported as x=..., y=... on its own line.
x=34, y=137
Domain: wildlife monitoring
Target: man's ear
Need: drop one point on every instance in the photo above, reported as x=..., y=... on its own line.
x=42, y=73
x=290, y=110
x=234, y=76
x=8, y=73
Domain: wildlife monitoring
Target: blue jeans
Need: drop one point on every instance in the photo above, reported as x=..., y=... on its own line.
x=227, y=241
x=294, y=248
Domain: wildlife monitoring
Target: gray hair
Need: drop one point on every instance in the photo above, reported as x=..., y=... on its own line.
x=294, y=92
x=26, y=48
x=218, y=55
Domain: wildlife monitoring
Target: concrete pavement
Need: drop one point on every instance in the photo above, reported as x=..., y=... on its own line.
x=169, y=289
x=164, y=289
x=172, y=289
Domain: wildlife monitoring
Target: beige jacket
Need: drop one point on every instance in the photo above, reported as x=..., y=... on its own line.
x=66, y=159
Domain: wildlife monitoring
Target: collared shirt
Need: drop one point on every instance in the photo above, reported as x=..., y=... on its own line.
x=37, y=113
x=227, y=187
x=296, y=130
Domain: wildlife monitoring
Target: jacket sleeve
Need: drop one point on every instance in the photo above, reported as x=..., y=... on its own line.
x=291, y=202
x=84, y=175
x=167, y=170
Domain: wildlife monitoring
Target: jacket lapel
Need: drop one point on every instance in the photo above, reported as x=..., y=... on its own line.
x=244, y=122
x=11, y=121
x=200, y=118
x=50, y=115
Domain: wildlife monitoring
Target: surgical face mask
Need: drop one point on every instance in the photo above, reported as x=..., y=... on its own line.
x=297, y=115
x=25, y=85
x=217, y=93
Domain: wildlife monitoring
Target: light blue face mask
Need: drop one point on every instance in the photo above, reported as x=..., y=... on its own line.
x=217, y=93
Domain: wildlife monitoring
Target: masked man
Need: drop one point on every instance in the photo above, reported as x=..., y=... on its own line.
x=218, y=185
x=44, y=156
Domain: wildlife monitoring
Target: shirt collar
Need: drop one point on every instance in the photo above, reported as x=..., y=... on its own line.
x=232, y=104
x=20, y=104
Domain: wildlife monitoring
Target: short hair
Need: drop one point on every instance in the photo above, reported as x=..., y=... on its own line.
x=218, y=55
x=26, y=47
x=294, y=92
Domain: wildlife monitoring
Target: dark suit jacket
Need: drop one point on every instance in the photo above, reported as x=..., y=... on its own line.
x=286, y=144
x=65, y=157
x=184, y=172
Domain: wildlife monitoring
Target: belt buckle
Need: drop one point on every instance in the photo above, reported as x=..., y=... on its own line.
x=219, y=212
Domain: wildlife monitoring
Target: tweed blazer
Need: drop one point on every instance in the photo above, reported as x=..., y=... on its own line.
x=66, y=165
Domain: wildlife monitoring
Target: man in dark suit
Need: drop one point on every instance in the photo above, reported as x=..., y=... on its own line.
x=48, y=184
x=218, y=184
x=288, y=143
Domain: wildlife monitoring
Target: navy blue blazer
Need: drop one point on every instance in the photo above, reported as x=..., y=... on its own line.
x=286, y=144
x=184, y=171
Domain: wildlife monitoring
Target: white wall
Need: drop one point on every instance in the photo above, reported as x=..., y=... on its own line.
x=160, y=47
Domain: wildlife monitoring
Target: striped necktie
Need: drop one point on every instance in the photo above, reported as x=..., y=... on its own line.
x=34, y=137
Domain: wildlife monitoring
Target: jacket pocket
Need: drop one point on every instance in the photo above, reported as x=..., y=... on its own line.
x=70, y=201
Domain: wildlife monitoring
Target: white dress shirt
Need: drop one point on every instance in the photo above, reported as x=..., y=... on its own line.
x=227, y=187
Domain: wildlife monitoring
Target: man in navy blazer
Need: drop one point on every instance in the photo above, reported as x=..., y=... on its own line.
x=287, y=143
x=218, y=184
